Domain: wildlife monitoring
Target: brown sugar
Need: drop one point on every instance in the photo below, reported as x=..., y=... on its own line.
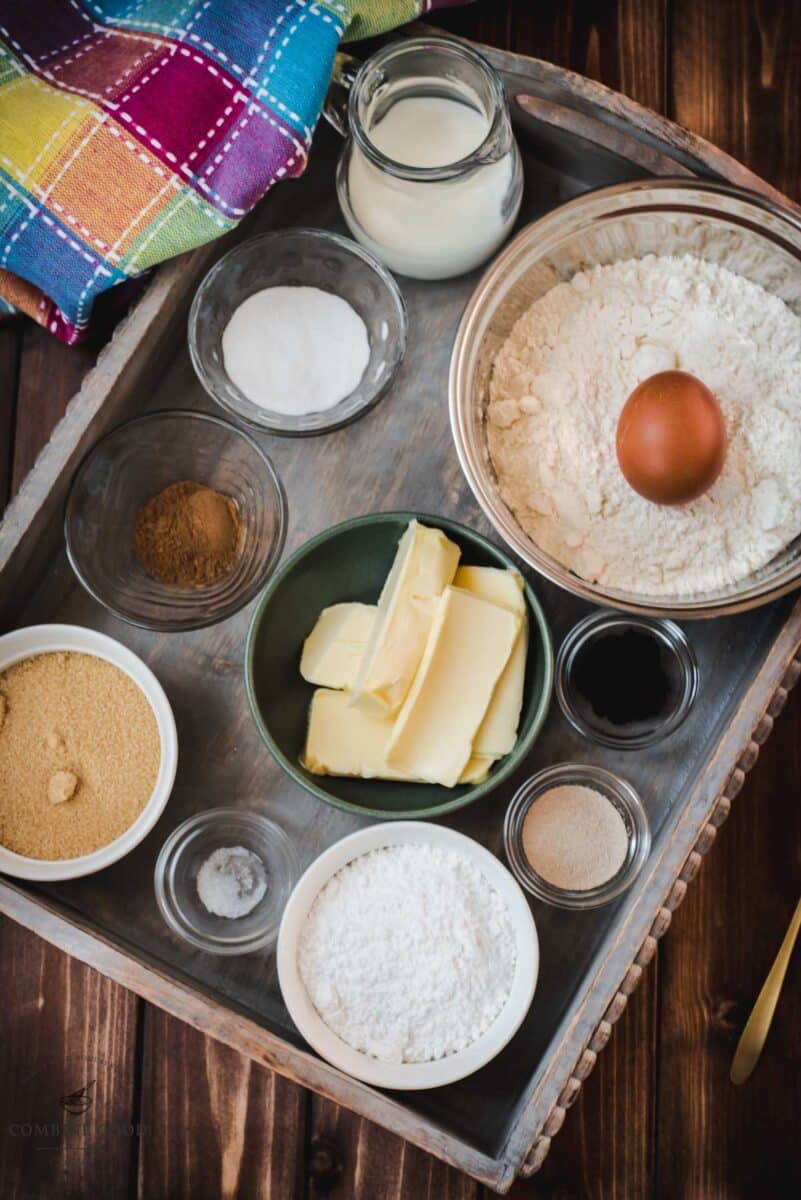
x=188, y=535
x=62, y=786
x=66, y=795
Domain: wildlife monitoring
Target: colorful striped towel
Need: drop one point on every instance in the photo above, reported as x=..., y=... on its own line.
x=133, y=130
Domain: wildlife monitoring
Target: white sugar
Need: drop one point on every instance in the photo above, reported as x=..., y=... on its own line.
x=295, y=350
x=408, y=953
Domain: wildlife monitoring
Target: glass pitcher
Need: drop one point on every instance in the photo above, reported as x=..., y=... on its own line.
x=429, y=222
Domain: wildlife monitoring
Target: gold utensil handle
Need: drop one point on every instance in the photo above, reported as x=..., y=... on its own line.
x=753, y=1036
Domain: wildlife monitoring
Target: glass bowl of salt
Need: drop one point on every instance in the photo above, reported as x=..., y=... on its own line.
x=223, y=878
x=297, y=332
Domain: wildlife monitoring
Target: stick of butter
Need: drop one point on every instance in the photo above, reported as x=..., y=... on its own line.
x=425, y=563
x=497, y=733
x=477, y=769
x=335, y=647
x=344, y=740
x=467, y=649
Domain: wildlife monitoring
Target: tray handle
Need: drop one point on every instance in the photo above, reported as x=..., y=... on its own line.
x=597, y=133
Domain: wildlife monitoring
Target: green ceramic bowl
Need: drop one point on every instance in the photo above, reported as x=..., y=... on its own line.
x=350, y=562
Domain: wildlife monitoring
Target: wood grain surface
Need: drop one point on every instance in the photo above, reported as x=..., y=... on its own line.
x=173, y=1113
x=69, y=1039
x=214, y=1123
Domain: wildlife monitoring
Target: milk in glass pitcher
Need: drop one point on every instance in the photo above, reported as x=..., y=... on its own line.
x=430, y=179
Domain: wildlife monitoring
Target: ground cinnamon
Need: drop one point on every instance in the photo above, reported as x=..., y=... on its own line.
x=188, y=534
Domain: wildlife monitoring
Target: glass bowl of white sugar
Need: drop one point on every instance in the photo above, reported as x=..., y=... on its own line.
x=223, y=878
x=297, y=332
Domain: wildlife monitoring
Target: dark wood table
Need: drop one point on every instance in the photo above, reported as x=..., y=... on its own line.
x=170, y=1113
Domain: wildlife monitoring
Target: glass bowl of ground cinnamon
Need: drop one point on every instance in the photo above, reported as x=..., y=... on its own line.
x=175, y=520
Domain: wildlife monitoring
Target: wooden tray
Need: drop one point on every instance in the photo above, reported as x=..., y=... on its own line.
x=499, y=1122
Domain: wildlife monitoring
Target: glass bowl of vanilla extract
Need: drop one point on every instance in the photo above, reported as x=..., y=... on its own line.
x=625, y=681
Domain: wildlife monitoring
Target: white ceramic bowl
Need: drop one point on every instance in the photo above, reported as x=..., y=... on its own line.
x=42, y=639
x=406, y=1076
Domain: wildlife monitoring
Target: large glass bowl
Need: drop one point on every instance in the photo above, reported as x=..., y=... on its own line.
x=755, y=236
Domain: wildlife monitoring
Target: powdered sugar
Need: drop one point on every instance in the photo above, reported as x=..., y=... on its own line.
x=408, y=953
x=560, y=381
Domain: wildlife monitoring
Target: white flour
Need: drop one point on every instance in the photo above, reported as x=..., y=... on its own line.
x=561, y=379
x=408, y=953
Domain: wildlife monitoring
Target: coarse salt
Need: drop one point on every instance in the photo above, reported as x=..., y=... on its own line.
x=231, y=881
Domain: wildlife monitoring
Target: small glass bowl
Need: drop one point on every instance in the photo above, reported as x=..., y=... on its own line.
x=136, y=461
x=299, y=258
x=182, y=856
x=618, y=792
x=580, y=713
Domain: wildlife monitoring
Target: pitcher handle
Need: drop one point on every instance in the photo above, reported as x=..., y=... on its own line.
x=335, y=105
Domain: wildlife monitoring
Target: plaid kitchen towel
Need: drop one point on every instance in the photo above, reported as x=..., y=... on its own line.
x=133, y=130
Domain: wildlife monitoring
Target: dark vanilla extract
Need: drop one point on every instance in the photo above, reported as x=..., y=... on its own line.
x=627, y=678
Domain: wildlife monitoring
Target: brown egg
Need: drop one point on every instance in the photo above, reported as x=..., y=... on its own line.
x=671, y=438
